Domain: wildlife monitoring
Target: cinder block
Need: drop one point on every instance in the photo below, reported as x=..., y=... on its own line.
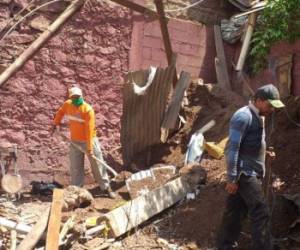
x=152, y=42
x=159, y=55
x=147, y=53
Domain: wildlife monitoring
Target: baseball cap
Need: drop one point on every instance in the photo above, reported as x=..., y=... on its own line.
x=269, y=92
x=75, y=91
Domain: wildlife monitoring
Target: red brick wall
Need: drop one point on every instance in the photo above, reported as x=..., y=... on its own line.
x=193, y=44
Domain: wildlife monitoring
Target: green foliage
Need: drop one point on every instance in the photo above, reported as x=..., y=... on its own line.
x=279, y=21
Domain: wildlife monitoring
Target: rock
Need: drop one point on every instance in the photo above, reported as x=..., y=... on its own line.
x=40, y=23
x=57, y=7
x=20, y=38
x=5, y=2
x=111, y=30
x=15, y=137
x=75, y=197
x=194, y=174
x=107, y=50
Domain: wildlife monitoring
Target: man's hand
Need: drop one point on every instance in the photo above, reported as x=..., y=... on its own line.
x=231, y=188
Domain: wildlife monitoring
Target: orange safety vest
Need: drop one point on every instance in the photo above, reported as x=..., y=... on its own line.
x=81, y=121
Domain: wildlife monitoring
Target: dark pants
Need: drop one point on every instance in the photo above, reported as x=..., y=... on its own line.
x=248, y=200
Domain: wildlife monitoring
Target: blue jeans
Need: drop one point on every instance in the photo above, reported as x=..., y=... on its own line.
x=249, y=200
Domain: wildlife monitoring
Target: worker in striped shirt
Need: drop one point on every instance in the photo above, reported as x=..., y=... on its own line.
x=81, y=119
x=245, y=156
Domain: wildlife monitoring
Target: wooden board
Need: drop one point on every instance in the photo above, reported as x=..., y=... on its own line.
x=220, y=62
x=55, y=219
x=172, y=113
x=36, y=233
x=137, y=211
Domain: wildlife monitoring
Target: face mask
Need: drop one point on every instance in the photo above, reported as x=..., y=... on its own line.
x=78, y=101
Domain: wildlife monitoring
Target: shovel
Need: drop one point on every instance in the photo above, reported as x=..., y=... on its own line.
x=11, y=183
x=115, y=174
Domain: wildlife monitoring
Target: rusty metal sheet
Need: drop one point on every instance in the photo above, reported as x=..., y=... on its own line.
x=143, y=114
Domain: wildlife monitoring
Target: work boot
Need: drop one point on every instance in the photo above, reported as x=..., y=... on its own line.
x=110, y=193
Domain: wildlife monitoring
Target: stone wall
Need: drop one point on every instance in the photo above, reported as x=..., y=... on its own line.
x=91, y=50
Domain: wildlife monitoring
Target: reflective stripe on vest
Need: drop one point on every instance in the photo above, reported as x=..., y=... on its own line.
x=74, y=118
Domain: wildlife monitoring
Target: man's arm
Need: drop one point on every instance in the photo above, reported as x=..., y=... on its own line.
x=58, y=117
x=238, y=125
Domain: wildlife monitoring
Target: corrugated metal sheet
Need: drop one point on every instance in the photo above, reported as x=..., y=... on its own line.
x=143, y=114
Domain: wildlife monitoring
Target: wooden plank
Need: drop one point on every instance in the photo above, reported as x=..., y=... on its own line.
x=137, y=211
x=36, y=233
x=55, y=219
x=136, y=7
x=172, y=113
x=220, y=62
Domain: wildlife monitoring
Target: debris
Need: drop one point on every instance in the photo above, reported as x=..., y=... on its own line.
x=75, y=197
x=195, y=148
x=36, y=233
x=142, y=182
x=196, y=144
x=214, y=150
x=191, y=196
x=95, y=230
x=194, y=174
x=233, y=28
x=66, y=227
x=140, y=209
x=19, y=227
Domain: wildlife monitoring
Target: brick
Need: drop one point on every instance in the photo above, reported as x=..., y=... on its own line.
x=147, y=52
x=147, y=63
x=152, y=29
x=193, y=61
x=159, y=55
x=191, y=49
x=182, y=36
x=152, y=42
x=185, y=26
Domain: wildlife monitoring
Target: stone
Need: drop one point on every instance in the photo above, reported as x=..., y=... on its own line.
x=111, y=30
x=20, y=38
x=40, y=23
x=107, y=50
x=57, y=7
x=15, y=136
x=5, y=1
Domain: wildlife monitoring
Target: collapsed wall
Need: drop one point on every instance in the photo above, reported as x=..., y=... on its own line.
x=90, y=50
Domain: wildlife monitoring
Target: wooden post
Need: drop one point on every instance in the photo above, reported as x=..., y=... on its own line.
x=165, y=35
x=246, y=44
x=33, y=237
x=38, y=43
x=52, y=240
x=220, y=60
